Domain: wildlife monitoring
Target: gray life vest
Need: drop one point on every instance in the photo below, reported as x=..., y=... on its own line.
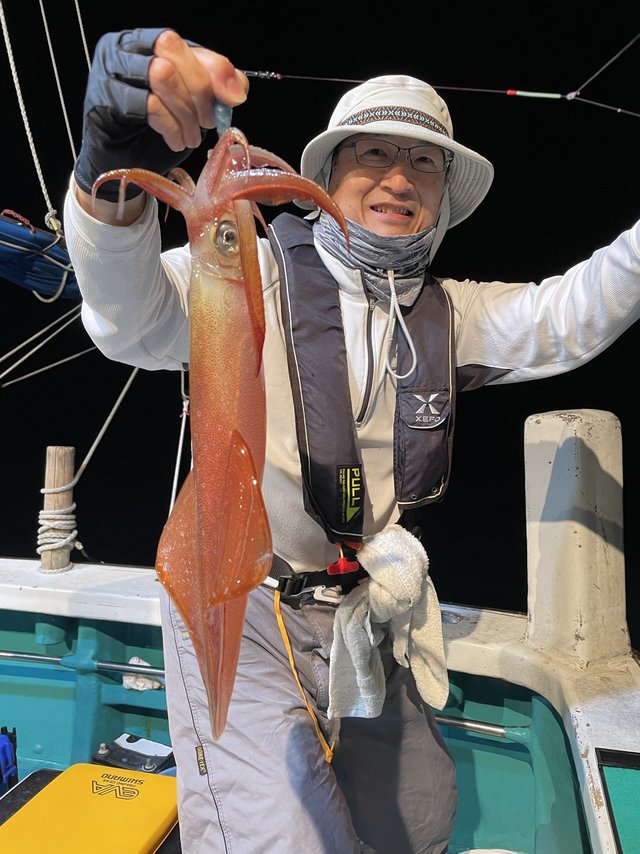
x=332, y=471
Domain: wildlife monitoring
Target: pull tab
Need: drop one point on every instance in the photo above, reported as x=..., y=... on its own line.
x=348, y=560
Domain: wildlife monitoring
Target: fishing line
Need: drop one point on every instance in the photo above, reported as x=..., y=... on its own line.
x=575, y=95
x=609, y=62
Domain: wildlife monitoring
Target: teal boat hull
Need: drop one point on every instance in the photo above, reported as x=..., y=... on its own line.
x=71, y=699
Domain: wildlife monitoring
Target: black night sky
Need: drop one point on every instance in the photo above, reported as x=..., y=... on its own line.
x=567, y=182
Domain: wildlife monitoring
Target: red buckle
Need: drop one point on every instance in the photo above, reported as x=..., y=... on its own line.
x=345, y=564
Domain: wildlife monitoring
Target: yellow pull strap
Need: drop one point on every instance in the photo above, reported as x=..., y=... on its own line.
x=328, y=750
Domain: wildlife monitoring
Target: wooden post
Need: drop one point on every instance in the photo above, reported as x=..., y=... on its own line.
x=59, y=472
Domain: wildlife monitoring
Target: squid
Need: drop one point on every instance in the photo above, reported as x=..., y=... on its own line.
x=216, y=544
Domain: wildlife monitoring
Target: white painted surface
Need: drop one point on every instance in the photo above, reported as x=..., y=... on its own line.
x=121, y=593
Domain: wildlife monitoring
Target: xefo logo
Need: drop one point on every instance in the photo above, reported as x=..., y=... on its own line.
x=428, y=412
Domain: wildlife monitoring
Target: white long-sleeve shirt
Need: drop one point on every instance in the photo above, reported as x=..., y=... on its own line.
x=135, y=302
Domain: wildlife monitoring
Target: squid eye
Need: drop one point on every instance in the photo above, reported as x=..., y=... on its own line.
x=224, y=236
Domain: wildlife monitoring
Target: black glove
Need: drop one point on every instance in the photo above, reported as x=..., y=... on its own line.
x=116, y=133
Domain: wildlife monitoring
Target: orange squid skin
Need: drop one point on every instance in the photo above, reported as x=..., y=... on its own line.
x=216, y=544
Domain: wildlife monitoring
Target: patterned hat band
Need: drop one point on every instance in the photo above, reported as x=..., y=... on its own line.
x=397, y=104
x=395, y=114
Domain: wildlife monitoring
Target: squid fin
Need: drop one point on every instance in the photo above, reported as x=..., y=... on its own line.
x=246, y=552
x=210, y=592
x=215, y=630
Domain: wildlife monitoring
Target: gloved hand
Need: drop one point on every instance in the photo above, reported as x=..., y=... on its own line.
x=116, y=132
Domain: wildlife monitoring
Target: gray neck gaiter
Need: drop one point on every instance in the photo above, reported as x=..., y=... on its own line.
x=407, y=255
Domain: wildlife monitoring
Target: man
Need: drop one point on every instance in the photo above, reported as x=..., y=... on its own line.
x=389, y=347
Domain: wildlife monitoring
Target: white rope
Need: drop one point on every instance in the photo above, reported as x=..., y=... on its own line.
x=57, y=528
x=396, y=313
x=51, y=219
x=98, y=439
x=57, y=531
x=82, y=35
x=75, y=311
x=49, y=366
x=57, y=294
x=65, y=268
x=57, y=79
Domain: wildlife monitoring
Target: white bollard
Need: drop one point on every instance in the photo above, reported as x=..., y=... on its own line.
x=575, y=549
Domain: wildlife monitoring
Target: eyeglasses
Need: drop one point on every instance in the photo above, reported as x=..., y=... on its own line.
x=380, y=154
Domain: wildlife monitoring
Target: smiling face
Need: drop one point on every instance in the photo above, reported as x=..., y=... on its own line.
x=390, y=200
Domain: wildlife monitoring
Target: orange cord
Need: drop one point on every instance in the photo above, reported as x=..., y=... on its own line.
x=328, y=750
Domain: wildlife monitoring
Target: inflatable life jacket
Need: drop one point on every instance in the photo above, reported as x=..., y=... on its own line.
x=332, y=470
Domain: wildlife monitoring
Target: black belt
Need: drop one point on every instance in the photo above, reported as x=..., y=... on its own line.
x=294, y=585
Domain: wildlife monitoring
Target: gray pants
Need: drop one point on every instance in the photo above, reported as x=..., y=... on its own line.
x=265, y=788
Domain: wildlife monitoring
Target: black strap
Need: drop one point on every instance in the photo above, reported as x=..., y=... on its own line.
x=292, y=584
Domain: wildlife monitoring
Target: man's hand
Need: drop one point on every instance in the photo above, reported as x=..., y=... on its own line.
x=150, y=100
x=184, y=83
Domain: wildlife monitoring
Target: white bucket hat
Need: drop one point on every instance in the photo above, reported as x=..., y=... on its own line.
x=403, y=106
